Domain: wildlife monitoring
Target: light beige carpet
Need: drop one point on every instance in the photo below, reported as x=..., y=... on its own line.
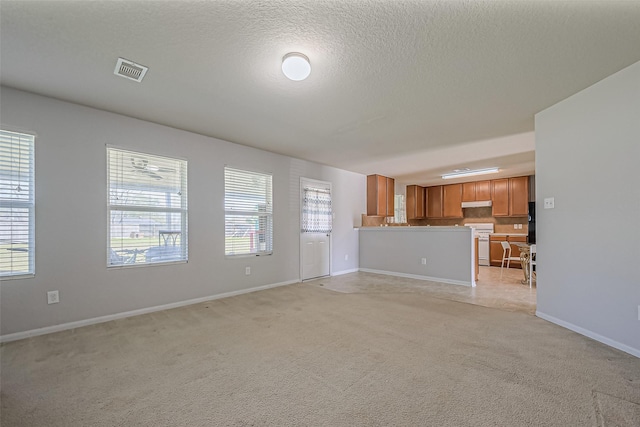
x=302, y=355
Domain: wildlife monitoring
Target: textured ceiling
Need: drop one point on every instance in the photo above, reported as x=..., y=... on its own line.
x=407, y=89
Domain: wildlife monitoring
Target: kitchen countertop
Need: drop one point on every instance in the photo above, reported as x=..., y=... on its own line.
x=416, y=228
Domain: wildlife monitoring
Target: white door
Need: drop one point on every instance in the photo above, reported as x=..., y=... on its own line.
x=316, y=222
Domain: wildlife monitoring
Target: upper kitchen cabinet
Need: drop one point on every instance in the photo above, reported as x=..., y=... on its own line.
x=415, y=202
x=434, y=202
x=510, y=196
x=500, y=198
x=483, y=191
x=452, y=206
x=380, y=195
x=476, y=191
x=519, y=196
x=391, y=196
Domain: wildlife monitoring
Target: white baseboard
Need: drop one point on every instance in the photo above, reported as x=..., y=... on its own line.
x=80, y=323
x=416, y=276
x=340, y=273
x=587, y=333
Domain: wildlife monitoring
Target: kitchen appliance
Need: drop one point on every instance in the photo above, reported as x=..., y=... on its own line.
x=482, y=232
x=531, y=237
x=480, y=204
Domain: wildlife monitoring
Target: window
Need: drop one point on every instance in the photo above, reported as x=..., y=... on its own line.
x=400, y=211
x=17, y=204
x=317, y=216
x=248, y=219
x=147, y=208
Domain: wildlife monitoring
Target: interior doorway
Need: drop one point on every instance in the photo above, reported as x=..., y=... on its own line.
x=316, y=220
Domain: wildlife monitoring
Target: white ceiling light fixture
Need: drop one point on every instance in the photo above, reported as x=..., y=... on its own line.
x=460, y=173
x=296, y=66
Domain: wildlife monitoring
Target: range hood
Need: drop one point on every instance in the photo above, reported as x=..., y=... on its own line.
x=483, y=204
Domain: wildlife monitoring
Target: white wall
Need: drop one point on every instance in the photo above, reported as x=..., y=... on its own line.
x=399, y=251
x=71, y=217
x=588, y=159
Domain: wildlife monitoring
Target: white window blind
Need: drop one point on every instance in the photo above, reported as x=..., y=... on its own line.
x=248, y=213
x=17, y=204
x=147, y=208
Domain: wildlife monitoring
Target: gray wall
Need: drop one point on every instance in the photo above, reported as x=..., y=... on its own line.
x=71, y=217
x=587, y=158
x=448, y=251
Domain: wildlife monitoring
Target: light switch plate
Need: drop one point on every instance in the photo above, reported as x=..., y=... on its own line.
x=549, y=203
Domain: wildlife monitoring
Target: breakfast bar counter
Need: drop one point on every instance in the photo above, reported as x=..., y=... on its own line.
x=441, y=254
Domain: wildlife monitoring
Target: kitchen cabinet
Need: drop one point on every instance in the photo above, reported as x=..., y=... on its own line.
x=434, y=202
x=415, y=202
x=391, y=195
x=483, y=191
x=476, y=261
x=380, y=195
x=452, y=204
x=500, y=197
x=515, y=250
x=476, y=191
x=469, y=192
x=510, y=196
x=495, y=249
x=519, y=196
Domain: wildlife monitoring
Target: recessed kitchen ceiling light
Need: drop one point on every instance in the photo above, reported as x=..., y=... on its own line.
x=459, y=173
x=296, y=66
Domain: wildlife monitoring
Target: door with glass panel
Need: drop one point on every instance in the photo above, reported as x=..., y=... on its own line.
x=316, y=225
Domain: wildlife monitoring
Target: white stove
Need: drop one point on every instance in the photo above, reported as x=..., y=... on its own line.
x=482, y=232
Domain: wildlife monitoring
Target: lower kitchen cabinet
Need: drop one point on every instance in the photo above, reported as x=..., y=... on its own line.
x=495, y=249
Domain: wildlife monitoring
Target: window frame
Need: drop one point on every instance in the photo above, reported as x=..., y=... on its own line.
x=30, y=205
x=184, y=210
x=268, y=214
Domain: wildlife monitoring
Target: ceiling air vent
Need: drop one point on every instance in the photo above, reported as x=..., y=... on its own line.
x=130, y=70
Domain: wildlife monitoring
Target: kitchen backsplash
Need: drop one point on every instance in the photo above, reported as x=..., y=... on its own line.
x=471, y=215
x=479, y=215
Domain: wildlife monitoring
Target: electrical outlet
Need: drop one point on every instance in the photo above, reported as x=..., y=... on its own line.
x=247, y=271
x=424, y=261
x=53, y=297
x=346, y=257
x=515, y=226
x=519, y=226
x=549, y=203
